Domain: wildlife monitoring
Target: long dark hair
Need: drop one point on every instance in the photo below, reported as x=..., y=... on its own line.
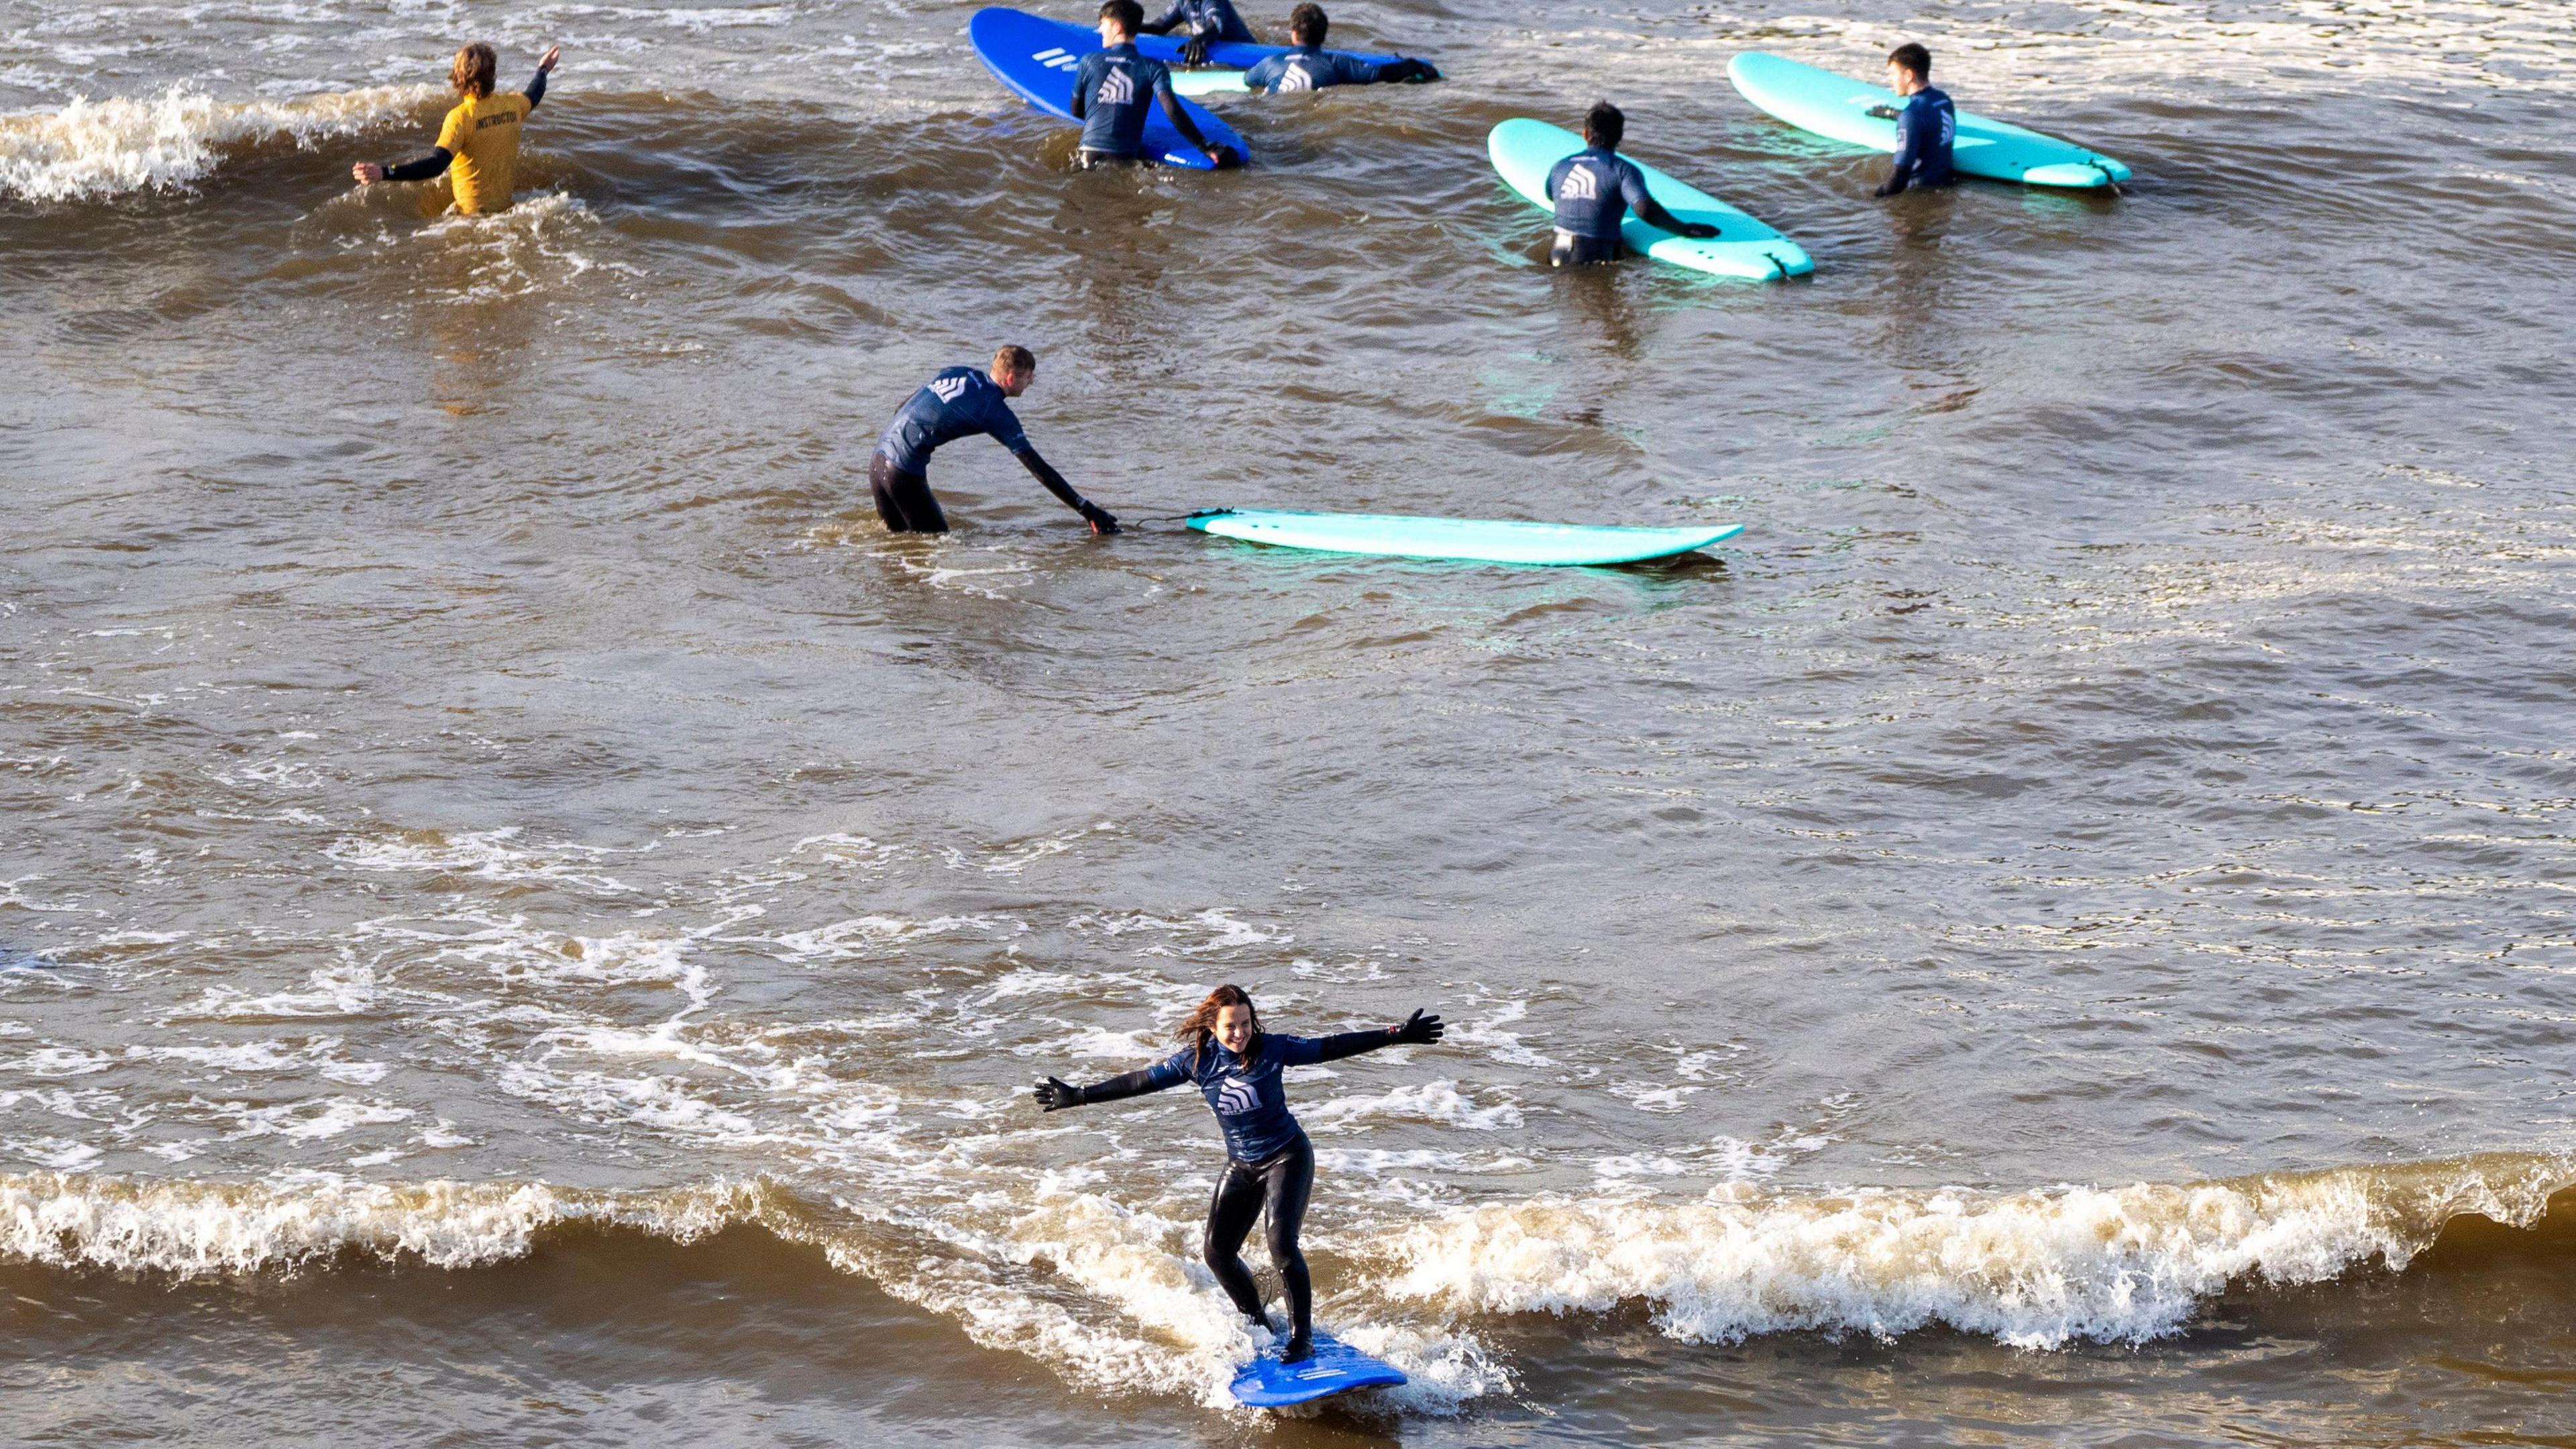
x=1199, y=1027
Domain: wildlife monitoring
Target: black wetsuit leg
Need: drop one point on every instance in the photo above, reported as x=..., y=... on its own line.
x=1279, y=1185
x=903, y=499
x=1571, y=250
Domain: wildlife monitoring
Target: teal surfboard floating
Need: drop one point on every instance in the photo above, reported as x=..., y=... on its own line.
x=1837, y=108
x=1334, y=1368
x=1524, y=151
x=1474, y=539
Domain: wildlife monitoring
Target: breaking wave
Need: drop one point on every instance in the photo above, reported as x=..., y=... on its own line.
x=94, y=149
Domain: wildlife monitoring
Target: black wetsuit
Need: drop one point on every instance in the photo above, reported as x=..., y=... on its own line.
x=1270, y=1166
x=1594, y=190
x=959, y=402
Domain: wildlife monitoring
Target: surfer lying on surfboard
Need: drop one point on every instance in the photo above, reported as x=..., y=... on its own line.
x=1311, y=67
x=1269, y=1163
x=1113, y=87
x=958, y=402
x=1201, y=23
x=1925, y=127
x=1595, y=188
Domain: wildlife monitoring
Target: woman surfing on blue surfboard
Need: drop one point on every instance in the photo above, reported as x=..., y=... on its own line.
x=1269, y=1163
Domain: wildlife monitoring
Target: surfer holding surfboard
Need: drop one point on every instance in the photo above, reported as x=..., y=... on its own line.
x=1925, y=127
x=1308, y=66
x=1113, y=88
x=957, y=403
x=1594, y=190
x=1270, y=1166
x=1201, y=23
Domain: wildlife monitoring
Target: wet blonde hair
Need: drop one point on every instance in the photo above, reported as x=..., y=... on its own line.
x=473, y=71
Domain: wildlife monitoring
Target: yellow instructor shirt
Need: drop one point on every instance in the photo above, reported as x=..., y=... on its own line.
x=483, y=135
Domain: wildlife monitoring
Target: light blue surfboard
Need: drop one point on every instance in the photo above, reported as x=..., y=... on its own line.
x=1524, y=151
x=1334, y=1368
x=1036, y=57
x=1195, y=83
x=1838, y=108
x=1474, y=539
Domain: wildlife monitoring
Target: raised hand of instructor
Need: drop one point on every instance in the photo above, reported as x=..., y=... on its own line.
x=1055, y=1092
x=1419, y=1029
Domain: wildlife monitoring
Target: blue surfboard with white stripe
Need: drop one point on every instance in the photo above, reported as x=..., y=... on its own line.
x=1036, y=57
x=1334, y=1368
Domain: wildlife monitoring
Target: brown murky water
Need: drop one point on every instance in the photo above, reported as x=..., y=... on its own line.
x=525, y=916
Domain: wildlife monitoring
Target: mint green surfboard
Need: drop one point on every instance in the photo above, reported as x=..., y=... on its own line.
x=1197, y=83
x=1837, y=108
x=1478, y=540
x=1524, y=151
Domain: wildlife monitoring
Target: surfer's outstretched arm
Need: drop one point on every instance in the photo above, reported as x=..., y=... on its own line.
x=1419, y=1029
x=1055, y=1093
x=1100, y=519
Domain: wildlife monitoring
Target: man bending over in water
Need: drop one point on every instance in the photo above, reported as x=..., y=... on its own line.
x=957, y=402
x=1311, y=67
x=1595, y=188
x=1114, y=86
x=478, y=144
x=1924, y=128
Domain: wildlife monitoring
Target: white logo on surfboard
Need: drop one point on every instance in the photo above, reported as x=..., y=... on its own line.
x=1236, y=1097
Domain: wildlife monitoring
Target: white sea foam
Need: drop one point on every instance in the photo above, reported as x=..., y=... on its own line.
x=98, y=148
x=2035, y=1269
x=1435, y=1101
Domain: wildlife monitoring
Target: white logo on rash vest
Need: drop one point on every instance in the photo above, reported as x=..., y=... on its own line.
x=950, y=389
x=1297, y=78
x=1580, y=184
x=1118, y=88
x=1236, y=1097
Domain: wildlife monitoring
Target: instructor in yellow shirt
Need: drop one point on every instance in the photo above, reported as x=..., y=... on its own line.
x=478, y=144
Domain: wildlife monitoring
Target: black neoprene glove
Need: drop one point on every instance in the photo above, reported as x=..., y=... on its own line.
x=1884, y=113
x=1054, y=1093
x=1398, y=71
x=1420, y=1029
x=1100, y=519
x=1194, y=50
x=1698, y=230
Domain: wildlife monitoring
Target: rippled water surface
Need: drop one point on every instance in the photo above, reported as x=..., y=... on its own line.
x=525, y=916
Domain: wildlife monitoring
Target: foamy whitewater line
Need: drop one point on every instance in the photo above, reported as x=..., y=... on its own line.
x=2035, y=1269
x=1084, y=1282
x=91, y=149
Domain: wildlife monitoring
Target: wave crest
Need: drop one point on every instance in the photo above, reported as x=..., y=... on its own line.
x=93, y=149
x=2035, y=1269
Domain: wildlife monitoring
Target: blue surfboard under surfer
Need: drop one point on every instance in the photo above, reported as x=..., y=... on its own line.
x=1270, y=1166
